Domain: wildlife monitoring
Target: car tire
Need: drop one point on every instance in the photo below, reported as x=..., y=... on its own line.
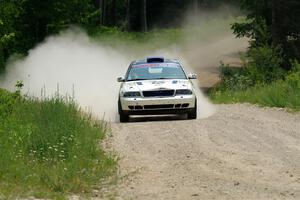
x=123, y=117
x=193, y=113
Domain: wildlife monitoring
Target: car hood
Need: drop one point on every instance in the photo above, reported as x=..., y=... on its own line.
x=156, y=85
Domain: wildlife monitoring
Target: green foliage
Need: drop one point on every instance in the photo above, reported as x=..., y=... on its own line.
x=19, y=85
x=23, y=24
x=7, y=102
x=261, y=81
x=234, y=79
x=283, y=93
x=272, y=22
x=264, y=64
x=256, y=30
x=261, y=66
x=9, y=12
x=49, y=148
x=273, y=29
x=52, y=16
x=257, y=22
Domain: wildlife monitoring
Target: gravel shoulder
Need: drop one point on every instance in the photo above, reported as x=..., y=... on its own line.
x=241, y=152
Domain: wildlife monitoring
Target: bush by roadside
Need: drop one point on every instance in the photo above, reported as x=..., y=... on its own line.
x=49, y=148
x=283, y=94
x=262, y=65
x=261, y=81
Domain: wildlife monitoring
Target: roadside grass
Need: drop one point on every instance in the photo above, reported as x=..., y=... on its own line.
x=49, y=148
x=281, y=93
x=261, y=80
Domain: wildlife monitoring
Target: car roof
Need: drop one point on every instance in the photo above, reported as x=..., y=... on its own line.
x=154, y=60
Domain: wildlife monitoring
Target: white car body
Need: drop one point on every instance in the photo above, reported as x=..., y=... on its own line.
x=157, y=96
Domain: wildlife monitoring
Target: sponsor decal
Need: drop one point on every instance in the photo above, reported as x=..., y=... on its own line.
x=158, y=82
x=173, y=65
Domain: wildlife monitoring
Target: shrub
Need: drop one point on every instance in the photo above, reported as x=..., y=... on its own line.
x=7, y=102
x=234, y=79
x=283, y=93
x=264, y=64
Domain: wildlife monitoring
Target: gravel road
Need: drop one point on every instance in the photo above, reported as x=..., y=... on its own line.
x=241, y=152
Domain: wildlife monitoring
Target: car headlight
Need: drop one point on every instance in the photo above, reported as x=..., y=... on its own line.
x=132, y=94
x=184, y=92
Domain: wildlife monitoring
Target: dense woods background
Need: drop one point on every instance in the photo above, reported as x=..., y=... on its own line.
x=25, y=23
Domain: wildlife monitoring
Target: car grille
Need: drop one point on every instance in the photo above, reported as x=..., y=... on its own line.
x=165, y=106
x=159, y=93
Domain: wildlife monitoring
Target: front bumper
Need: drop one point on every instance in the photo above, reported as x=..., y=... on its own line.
x=164, y=105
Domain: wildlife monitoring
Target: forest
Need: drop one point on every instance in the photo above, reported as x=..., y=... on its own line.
x=25, y=23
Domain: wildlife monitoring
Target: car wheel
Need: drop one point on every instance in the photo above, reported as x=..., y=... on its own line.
x=193, y=113
x=123, y=117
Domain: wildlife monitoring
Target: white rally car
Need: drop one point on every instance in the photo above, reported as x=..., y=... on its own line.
x=156, y=86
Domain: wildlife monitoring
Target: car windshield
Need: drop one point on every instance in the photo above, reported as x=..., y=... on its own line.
x=155, y=71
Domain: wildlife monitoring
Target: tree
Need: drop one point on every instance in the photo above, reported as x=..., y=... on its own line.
x=99, y=5
x=23, y=24
x=273, y=23
x=114, y=12
x=103, y=12
x=144, y=26
x=127, y=18
x=9, y=13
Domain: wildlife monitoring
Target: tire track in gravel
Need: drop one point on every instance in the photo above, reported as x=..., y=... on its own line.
x=242, y=152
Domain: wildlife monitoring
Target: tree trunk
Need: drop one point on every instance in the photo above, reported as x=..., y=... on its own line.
x=98, y=4
x=103, y=12
x=275, y=36
x=127, y=20
x=114, y=13
x=144, y=16
x=4, y=55
x=279, y=29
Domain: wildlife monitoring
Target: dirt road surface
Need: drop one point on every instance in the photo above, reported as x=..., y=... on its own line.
x=241, y=152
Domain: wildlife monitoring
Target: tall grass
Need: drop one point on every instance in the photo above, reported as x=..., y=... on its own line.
x=262, y=80
x=283, y=93
x=49, y=148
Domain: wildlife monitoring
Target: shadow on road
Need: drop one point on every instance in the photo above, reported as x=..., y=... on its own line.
x=157, y=118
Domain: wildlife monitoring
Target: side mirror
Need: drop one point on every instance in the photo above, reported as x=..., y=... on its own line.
x=192, y=76
x=120, y=79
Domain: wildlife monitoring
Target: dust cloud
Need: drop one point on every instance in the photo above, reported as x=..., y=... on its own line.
x=71, y=62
